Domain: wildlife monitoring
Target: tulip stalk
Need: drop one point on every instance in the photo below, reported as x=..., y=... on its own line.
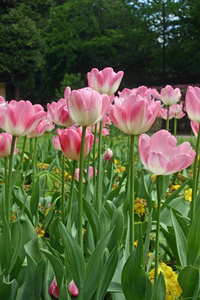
x=94, y=152
x=132, y=193
x=80, y=200
x=63, y=189
x=71, y=196
x=9, y=187
x=34, y=160
x=175, y=126
x=20, y=163
x=195, y=180
x=157, y=228
x=30, y=158
x=167, y=121
x=98, y=195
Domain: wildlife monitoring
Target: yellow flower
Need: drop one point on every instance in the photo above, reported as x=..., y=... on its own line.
x=188, y=194
x=175, y=187
x=173, y=289
x=44, y=166
x=40, y=231
x=139, y=208
x=116, y=161
x=153, y=177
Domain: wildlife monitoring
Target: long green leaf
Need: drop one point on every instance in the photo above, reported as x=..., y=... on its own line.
x=193, y=242
x=189, y=281
x=93, y=220
x=159, y=291
x=75, y=258
x=180, y=241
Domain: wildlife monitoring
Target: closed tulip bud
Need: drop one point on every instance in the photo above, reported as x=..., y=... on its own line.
x=73, y=289
x=5, y=145
x=53, y=290
x=59, y=113
x=169, y=95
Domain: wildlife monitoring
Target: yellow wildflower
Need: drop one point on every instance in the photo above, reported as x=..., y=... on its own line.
x=40, y=231
x=153, y=177
x=136, y=243
x=116, y=161
x=44, y=166
x=175, y=186
x=139, y=208
x=173, y=289
x=188, y=194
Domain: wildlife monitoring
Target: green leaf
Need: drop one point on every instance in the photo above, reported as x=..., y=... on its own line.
x=193, y=241
x=189, y=281
x=107, y=274
x=180, y=241
x=75, y=258
x=57, y=266
x=35, y=196
x=92, y=276
x=93, y=220
x=118, y=224
x=133, y=278
x=8, y=290
x=49, y=216
x=6, y=247
x=159, y=291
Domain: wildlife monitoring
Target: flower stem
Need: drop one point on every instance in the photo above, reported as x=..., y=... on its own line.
x=63, y=189
x=99, y=183
x=175, y=126
x=167, y=121
x=29, y=160
x=71, y=196
x=80, y=201
x=94, y=152
x=195, y=180
x=157, y=230
x=132, y=194
x=34, y=161
x=9, y=190
x=17, y=171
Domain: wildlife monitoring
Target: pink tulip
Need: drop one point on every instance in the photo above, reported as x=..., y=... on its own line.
x=5, y=144
x=90, y=173
x=108, y=154
x=39, y=130
x=73, y=289
x=163, y=113
x=105, y=81
x=56, y=143
x=50, y=125
x=70, y=141
x=134, y=115
x=192, y=103
x=87, y=107
x=59, y=113
x=53, y=290
x=195, y=127
x=170, y=96
x=3, y=109
x=145, y=92
x=160, y=155
x=2, y=100
x=67, y=92
x=22, y=117
x=177, y=109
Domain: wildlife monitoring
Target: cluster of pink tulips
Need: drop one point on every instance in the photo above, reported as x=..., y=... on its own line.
x=83, y=114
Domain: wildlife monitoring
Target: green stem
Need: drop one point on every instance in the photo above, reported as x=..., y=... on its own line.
x=34, y=161
x=8, y=192
x=157, y=121
x=157, y=229
x=17, y=171
x=71, y=195
x=63, y=189
x=6, y=173
x=167, y=121
x=99, y=183
x=94, y=152
x=175, y=126
x=195, y=180
x=80, y=200
x=132, y=193
x=29, y=160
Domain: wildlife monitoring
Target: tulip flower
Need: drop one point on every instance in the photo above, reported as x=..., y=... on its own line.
x=21, y=118
x=39, y=130
x=195, y=127
x=192, y=103
x=144, y=92
x=192, y=107
x=50, y=124
x=70, y=141
x=73, y=289
x=163, y=113
x=3, y=108
x=132, y=115
x=5, y=144
x=53, y=290
x=67, y=92
x=108, y=154
x=59, y=113
x=91, y=173
x=169, y=95
x=87, y=107
x=177, y=109
x=56, y=143
x=105, y=81
x=160, y=155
